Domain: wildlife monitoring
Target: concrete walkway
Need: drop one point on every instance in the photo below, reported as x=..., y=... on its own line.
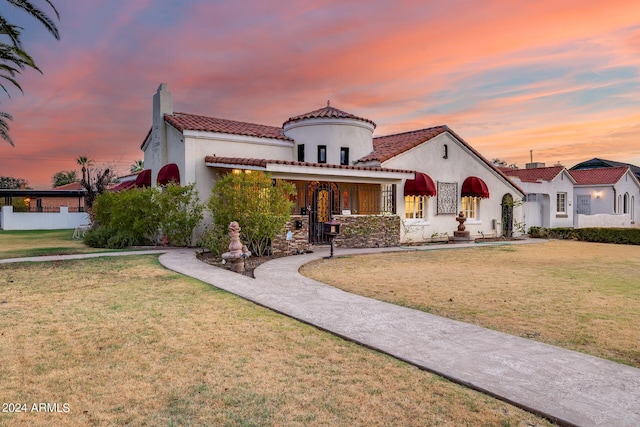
x=567, y=387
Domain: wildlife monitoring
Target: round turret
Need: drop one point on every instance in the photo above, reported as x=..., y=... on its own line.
x=329, y=135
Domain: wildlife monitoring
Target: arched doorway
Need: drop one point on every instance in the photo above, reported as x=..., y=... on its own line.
x=507, y=215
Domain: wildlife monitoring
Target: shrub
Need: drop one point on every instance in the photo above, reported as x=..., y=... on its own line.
x=215, y=239
x=629, y=236
x=260, y=206
x=179, y=213
x=142, y=215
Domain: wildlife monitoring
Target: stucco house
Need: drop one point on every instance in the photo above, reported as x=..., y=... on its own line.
x=549, y=199
x=385, y=190
x=589, y=197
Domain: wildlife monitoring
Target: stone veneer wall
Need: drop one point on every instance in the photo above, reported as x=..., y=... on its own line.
x=368, y=231
x=299, y=242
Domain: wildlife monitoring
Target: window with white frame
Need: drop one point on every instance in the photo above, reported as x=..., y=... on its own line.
x=470, y=207
x=415, y=207
x=561, y=203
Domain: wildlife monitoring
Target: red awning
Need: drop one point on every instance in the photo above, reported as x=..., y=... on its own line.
x=168, y=173
x=144, y=179
x=421, y=186
x=124, y=186
x=474, y=187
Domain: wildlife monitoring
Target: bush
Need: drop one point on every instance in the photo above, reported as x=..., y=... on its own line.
x=215, y=240
x=261, y=207
x=630, y=236
x=145, y=215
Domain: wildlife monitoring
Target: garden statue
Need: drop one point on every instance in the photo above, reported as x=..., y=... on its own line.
x=237, y=251
x=461, y=219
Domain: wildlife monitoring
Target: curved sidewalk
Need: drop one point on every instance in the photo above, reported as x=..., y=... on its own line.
x=568, y=387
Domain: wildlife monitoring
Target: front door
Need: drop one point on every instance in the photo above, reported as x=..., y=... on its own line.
x=583, y=204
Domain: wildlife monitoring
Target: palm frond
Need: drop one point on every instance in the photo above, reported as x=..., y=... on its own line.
x=39, y=15
x=4, y=128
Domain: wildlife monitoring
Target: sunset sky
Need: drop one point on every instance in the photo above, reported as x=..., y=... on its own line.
x=561, y=78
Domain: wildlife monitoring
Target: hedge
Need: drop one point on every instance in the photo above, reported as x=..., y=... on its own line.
x=627, y=236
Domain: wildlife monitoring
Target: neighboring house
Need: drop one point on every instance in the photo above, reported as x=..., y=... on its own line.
x=612, y=194
x=550, y=194
x=59, y=208
x=407, y=187
x=597, y=163
x=590, y=197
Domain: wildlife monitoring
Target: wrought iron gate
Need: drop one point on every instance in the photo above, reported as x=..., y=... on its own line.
x=324, y=203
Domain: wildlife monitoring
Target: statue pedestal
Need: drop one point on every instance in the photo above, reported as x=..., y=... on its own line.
x=461, y=237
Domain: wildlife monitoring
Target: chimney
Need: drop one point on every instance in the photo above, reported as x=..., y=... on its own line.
x=162, y=105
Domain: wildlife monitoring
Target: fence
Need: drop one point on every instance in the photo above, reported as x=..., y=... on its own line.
x=64, y=219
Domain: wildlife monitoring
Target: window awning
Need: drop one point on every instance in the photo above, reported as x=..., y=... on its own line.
x=144, y=179
x=421, y=186
x=168, y=173
x=123, y=186
x=474, y=187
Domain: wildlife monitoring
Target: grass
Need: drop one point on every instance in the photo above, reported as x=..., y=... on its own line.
x=576, y=295
x=123, y=341
x=28, y=243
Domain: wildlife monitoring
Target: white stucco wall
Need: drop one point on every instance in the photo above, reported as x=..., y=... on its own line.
x=459, y=164
x=603, y=220
x=334, y=133
x=63, y=220
x=543, y=212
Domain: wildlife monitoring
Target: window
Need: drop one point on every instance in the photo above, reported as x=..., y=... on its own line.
x=561, y=203
x=322, y=154
x=415, y=207
x=301, y=152
x=344, y=155
x=470, y=207
x=625, y=203
x=445, y=151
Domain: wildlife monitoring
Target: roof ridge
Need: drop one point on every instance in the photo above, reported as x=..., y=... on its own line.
x=412, y=131
x=220, y=118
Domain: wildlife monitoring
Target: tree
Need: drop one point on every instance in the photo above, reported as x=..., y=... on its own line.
x=64, y=178
x=503, y=164
x=13, y=58
x=11, y=183
x=95, y=181
x=261, y=207
x=137, y=166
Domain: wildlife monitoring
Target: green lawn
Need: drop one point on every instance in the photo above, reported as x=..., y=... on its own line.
x=28, y=243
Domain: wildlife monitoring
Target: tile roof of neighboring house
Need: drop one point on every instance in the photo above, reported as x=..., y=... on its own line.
x=602, y=163
x=535, y=174
x=262, y=163
x=70, y=186
x=386, y=147
x=599, y=176
x=184, y=121
x=327, y=112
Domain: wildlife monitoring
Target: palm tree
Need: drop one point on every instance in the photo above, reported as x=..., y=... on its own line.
x=137, y=166
x=13, y=59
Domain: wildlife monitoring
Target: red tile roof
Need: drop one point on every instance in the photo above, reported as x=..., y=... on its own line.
x=262, y=163
x=70, y=186
x=184, y=121
x=327, y=112
x=599, y=176
x=386, y=147
x=535, y=174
